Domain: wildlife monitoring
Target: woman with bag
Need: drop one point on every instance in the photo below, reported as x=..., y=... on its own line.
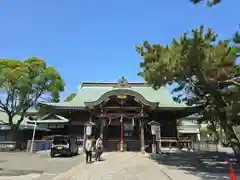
x=99, y=149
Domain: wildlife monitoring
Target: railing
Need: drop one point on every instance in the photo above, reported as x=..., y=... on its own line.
x=39, y=145
x=6, y=146
x=205, y=146
x=174, y=139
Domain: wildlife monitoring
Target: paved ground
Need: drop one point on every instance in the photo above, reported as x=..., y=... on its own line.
x=125, y=166
x=204, y=166
x=117, y=166
x=174, y=166
x=17, y=166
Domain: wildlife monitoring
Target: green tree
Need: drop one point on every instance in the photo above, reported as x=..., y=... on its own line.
x=70, y=97
x=210, y=117
x=205, y=71
x=211, y=3
x=208, y=2
x=236, y=37
x=23, y=83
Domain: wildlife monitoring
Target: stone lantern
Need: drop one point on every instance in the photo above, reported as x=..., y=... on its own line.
x=155, y=129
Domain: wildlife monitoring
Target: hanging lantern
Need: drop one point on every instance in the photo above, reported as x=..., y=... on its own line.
x=88, y=127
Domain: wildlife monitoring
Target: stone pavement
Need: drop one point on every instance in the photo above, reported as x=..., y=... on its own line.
x=39, y=166
x=124, y=166
x=116, y=166
x=204, y=166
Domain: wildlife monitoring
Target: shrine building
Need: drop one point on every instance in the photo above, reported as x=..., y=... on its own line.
x=121, y=112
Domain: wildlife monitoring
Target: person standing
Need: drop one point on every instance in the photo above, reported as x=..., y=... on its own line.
x=99, y=149
x=88, y=150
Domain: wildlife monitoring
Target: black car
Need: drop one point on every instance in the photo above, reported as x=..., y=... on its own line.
x=64, y=145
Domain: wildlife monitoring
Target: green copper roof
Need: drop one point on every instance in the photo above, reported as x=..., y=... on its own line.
x=90, y=92
x=52, y=118
x=23, y=126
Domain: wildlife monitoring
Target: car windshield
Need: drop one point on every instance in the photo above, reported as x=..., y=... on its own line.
x=61, y=140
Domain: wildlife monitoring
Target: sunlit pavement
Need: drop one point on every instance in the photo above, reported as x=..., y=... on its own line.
x=115, y=166
x=123, y=166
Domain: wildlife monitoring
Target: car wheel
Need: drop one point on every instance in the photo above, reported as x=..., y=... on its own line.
x=52, y=154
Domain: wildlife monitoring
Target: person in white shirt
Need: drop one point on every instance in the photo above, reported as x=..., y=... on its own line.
x=88, y=150
x=99, y=149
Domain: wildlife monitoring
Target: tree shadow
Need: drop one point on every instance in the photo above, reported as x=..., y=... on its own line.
x=206, y=165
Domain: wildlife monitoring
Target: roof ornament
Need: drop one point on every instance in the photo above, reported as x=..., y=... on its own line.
x=123, y=82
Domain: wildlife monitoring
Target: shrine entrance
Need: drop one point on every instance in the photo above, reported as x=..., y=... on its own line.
x=122, y=117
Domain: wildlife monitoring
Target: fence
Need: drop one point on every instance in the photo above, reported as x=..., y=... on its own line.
x=201, y=146
x=7, y=146
x=39, y=145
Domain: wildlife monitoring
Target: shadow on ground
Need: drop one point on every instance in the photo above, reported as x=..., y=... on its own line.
x=207, y=165
x=18, y=172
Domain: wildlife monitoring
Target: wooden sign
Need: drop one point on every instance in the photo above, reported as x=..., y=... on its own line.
x=122, y=97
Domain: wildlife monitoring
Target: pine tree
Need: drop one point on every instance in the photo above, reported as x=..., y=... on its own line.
x=205, y=71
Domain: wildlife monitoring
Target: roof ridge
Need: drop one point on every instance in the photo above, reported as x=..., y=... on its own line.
x=110, y=84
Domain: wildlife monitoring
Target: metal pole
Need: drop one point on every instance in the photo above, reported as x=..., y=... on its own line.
x=33, y=136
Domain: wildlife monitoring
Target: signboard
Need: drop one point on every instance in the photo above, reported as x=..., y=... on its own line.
x=158, y=133
x=122, y=97
x=128, y=126
x=128, y=129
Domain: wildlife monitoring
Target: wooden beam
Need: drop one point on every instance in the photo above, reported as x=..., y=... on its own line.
x=122, y=108
x=108, y=115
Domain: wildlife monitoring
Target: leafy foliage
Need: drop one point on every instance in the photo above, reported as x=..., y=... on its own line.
x=23, y=83
x=70, y=97
x=208, y=2
x=190, y=61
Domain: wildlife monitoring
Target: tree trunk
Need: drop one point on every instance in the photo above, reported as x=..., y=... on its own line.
x=215, y=131
x=230, y=135
x=16, y=136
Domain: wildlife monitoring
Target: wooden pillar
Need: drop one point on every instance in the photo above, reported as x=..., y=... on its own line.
x=121, y=134
x=142, y=135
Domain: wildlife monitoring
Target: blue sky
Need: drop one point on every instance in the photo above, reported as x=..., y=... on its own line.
x=92, y=40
